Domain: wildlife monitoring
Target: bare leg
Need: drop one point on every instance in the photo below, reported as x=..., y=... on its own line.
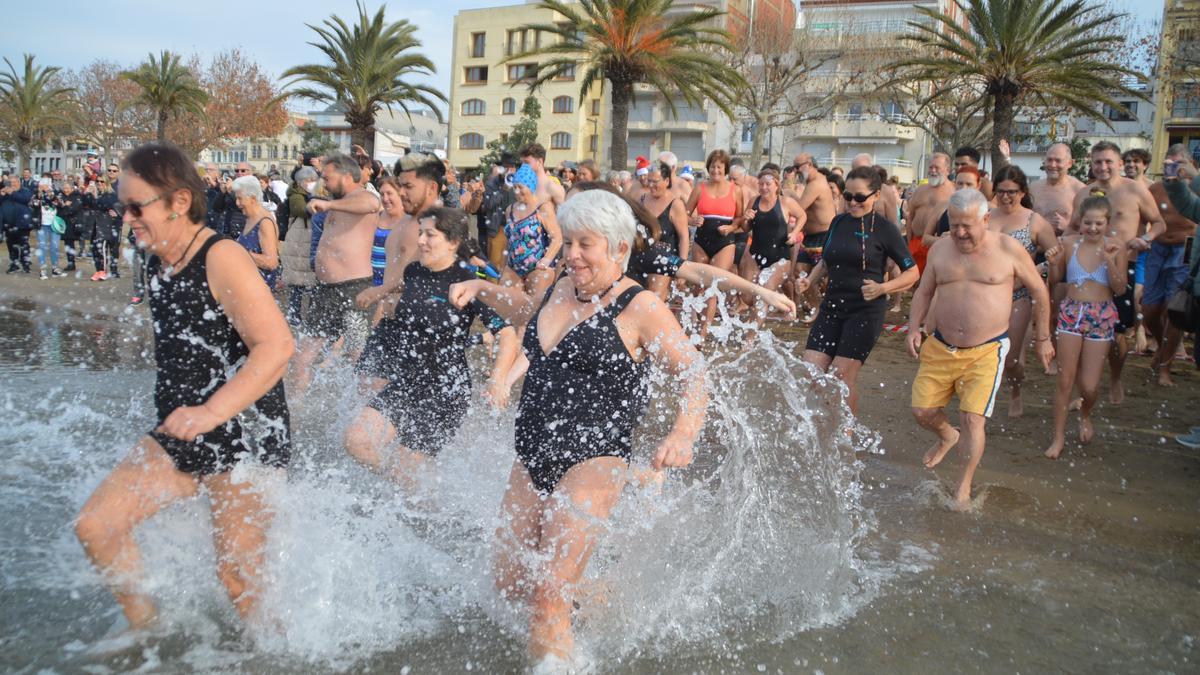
x=518, y=535
x=724, y=260
x=1091, y=363
x=819, y=359
x=1069, y=347
x=307, y=352
x=973, y=427
x=141, y=485
x=1014, y=367
x=1168, y=338
x=571, y=527
x=934, y=419
x=240, y=522
x=371, y=439
x=847, y=371
x=1116, y=362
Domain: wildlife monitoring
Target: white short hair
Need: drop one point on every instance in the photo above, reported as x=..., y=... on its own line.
x=602, y=213
x=667, y=157
x=624, y=176
x=967, y=199
x=248, y=186
x=737, y=171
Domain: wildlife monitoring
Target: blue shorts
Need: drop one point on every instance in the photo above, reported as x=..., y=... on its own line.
x=1139, y=273
x=1165, y=273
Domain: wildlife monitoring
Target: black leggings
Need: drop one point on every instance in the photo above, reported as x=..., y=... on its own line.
x=104, y=253
x=18, y=247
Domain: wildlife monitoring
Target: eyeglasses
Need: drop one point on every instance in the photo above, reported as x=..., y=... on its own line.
x=1007, y=193
x=851, y=197
x=243, y=170
x=112, y=170
x=135, y=209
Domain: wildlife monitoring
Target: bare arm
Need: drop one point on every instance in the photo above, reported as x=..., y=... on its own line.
x=922, y=299
x=360, y=202
x=247, y=302
x=811, y=193
x=511, y=304
x=1150, y=213
x=679, y=222
x=661, y=336
x=1117, y=257
x=1076, y=216
x=553, y=232
x=704, y=276
x=1043, y=233
x=1026, y=272
x=797, y=218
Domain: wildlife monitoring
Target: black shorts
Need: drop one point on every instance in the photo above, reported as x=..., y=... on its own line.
x=1126, y=313
x=850, y=335
x=266, y=442
x=739, y=247
x=812, y=249
x=426, y=418
x=380, y=356
x=331, y=311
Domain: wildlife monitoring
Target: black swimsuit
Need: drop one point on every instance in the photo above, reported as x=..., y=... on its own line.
x=197, y=350
x=769, y=233
x=580, y=401
x=667, y=238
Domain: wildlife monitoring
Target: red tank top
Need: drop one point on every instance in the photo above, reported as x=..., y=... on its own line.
x=724, y=207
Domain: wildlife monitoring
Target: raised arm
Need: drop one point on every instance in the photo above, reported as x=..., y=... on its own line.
x=704, y=276
x=511, y=304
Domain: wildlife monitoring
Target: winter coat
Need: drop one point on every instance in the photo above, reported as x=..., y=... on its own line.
x=294, y=257
x=104, y=226
x=70, y=209
x=14, y=211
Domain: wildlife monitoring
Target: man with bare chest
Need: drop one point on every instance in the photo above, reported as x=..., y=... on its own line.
x=343, y=266
x=817, y=202
x=1054, y=196
x=971, y=275
x=1133, y=208
x=922, y=210
x=888, y=204
x=549, y=189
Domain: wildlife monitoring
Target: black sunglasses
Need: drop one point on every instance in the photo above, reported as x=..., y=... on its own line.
x=135, y=209
x=851, y=197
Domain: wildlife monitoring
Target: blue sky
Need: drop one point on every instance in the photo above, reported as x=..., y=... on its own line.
x=70, y=33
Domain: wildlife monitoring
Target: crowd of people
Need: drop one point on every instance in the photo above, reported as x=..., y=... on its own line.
x=575, y=282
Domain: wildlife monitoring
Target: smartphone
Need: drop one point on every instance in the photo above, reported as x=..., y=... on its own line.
x=1171, y=170
x=1187, y=248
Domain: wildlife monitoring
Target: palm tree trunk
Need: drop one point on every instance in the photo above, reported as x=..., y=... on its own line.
x=622, y=95
x=1002, y=127
x=162, y=125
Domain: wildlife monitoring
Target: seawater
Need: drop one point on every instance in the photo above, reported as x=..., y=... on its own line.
x=760, y=540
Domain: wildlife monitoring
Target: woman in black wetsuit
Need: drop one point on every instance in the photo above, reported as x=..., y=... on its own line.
x=221, y=347
x=588, y=343
x=421, y=350
x=859, y=244
x=776, y=223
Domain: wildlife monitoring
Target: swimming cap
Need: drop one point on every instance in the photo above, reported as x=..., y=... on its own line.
x=526, y=176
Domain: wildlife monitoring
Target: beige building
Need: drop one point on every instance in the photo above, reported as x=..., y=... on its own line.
x=1178, y=92
x=279, y=151
x=486, y=97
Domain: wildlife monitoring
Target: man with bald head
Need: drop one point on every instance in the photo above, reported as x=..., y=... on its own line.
x=1054, y=196
x=888, y=204
x=681, y=188
x=922, y=210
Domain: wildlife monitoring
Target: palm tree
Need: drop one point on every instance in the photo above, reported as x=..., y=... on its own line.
x=369, y=63
x=1042, y=54
x=628, y=42
x=169, y=87
x=33, y=106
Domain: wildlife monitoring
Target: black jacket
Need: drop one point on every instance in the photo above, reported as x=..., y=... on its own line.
x=70, y=209
x=14, y=210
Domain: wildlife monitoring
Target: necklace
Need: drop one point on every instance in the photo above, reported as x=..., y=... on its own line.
x=171, y=267
x=601, y=294
x=863, y=237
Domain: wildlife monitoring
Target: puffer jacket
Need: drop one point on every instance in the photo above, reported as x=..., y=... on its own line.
x=296, y=268
x=70, y=209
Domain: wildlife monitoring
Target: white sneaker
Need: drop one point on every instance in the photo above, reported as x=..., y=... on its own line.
x=57, y=272
x=42, y=275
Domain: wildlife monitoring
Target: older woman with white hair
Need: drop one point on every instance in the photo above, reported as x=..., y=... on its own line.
x=261, y=238
x=587, y=344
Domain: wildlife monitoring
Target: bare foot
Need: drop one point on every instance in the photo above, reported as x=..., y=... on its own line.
x=962, y=502
x=1055, y=449
x=647, y=478
x=1016, y=407
x=1086, y=430
x=1164, y=377
x=939, y=449
x=1074, y=405
x=1116, y=393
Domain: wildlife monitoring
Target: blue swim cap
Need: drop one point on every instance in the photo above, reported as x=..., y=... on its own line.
x=526, y=176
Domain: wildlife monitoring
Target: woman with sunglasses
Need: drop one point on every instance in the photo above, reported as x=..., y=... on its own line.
x=221, y=347
x=106, y=229
x=1014, y=216
x=856, y=253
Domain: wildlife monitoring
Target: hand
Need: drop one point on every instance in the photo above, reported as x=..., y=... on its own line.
x=1004, y=147
x=780, y=303
x=497, y=394
x=1052, y=254
x=358, y=150
x=913, y=342
x=675, y=450
x=367, y=297
x=749, y=214
x=1045, y=352
x=794, y=237
x=318, y=205
x=188, y=422
x=727, y=229
x=696, y=220
x=1111, y=251
x=1138, y=244
x=462, y=293
x=871, y=289
x=544, y=263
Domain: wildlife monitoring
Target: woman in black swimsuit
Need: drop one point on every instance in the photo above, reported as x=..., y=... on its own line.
x=587, y=344
x=221, y=347
x=776, y=223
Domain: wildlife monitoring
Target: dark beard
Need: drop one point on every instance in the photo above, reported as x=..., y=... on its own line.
x=336, y=191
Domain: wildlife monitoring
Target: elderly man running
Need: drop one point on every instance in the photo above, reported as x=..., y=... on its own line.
x=971, y=275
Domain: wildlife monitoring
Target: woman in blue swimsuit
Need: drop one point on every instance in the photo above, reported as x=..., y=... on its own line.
x=533, y=236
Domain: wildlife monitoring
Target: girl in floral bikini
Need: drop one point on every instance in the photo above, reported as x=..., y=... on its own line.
x=533, y=237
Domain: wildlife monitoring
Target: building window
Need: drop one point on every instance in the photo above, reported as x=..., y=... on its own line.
x=273, y=152
x=256, y=152
x=522, y=40
x=566, y=74
x=474, y=106
x=1118, y=115
x=509, y=106
x=475, y=74
x=593, y=143
x=478, y=44
x=471, y=141
x=564, y=104
x=1185, y=106
x=855, y=112
x=560, y=141
x=595, y=107
x=522, y=72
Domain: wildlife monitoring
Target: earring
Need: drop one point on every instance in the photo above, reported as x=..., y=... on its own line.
x=173, y=216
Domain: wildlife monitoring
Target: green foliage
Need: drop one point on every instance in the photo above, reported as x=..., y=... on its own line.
x=368, y=65
x=34, y=107
x=1081, y=154
x=1032, y=54
x=314, y=140
x=627, y=42
x=524, y=132
x=169, y=87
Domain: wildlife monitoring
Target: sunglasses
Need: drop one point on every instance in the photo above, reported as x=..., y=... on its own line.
x=851, y=197
x=135, y=209
x=112, y=170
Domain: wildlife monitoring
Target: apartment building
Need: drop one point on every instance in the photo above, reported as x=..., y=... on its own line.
x=262, y=154
x=396, y=132
x=1178, y=94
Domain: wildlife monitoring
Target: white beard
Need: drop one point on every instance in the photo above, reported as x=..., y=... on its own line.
x=936, y=181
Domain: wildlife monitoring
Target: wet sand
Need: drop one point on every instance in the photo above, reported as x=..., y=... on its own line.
x=1086, y=564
